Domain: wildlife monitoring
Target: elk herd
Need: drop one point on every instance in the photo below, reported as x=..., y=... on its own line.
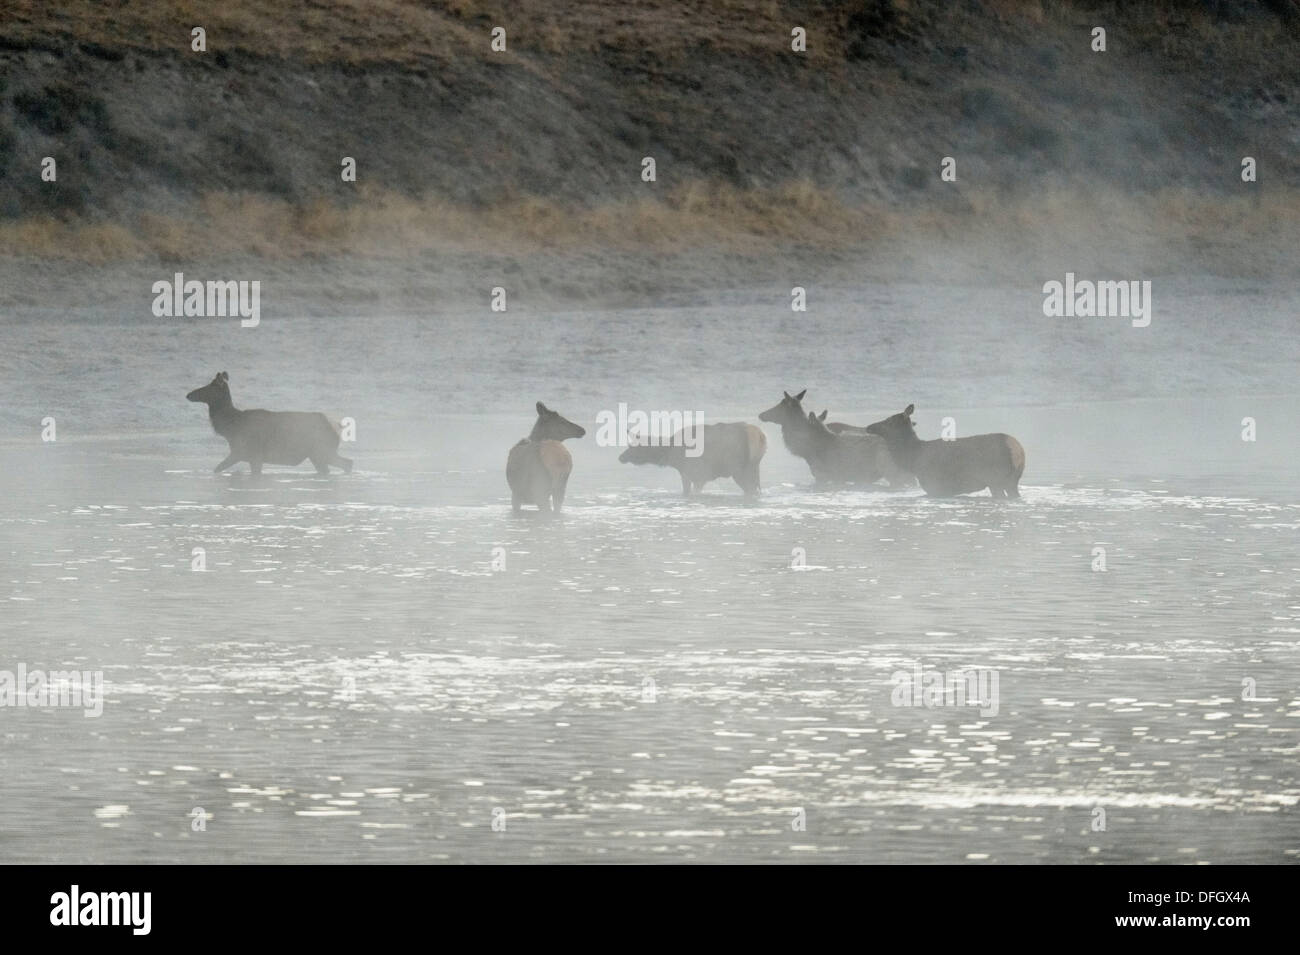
x=538, y=466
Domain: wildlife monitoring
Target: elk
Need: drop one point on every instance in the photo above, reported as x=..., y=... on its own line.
x=849, y=456
x=538, y=467
x=730, y=449
x=269, y=437
x=807, y=439
x=948, y=468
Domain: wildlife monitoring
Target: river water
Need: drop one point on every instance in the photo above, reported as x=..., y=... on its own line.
x=380, y=666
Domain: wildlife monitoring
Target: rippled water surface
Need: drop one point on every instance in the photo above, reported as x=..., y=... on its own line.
x=372, y=666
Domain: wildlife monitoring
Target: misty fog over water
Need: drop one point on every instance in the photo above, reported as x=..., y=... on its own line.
x=372, y=664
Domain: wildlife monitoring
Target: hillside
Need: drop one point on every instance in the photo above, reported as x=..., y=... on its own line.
x=166, y=152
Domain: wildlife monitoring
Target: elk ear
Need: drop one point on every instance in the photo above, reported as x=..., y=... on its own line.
x=541, y=408
x=787, y=395
x=822, y=417
x=909, y=409
x=799, y=397
x=223, y=376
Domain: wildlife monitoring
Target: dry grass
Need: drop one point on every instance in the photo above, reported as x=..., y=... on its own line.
x=386, y=223
x=657, y=34
x=696, y=216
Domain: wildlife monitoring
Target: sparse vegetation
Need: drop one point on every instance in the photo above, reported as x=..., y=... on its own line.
x=165, y=152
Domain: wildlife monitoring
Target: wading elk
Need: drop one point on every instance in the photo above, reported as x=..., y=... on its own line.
x=538, y=467
x=830, y=461
x=849, y=457
x=960, y=466
x=731, y=449
x=269, y=437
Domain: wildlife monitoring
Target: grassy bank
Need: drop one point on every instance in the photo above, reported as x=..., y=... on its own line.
x=1132, y=154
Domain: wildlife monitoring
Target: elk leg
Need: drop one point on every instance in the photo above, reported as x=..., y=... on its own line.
x=230, y=459
x=255, y=467
x=344, y=463
x=748, y=481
